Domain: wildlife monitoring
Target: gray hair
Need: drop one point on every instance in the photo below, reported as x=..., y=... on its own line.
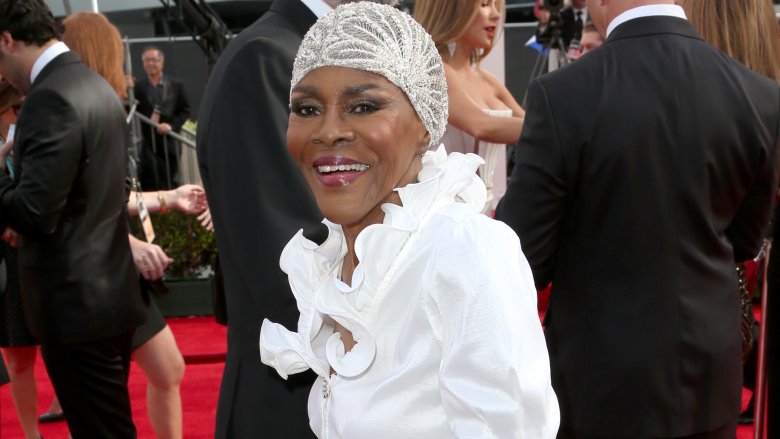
x=380, y=39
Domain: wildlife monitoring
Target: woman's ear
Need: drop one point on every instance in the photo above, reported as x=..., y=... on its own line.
x=424, y=142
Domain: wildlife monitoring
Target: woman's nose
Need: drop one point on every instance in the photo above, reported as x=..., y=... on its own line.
x=495, y=14
x=335, y=128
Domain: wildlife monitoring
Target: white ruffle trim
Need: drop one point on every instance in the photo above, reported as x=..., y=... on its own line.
x=311, y=269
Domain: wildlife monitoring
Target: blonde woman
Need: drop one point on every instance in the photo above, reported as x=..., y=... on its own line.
x=747, y=30
x=483, y=115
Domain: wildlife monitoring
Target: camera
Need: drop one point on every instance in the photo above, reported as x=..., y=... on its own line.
x=551, y=37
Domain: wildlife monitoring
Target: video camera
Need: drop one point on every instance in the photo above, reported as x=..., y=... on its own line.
x=551, y=37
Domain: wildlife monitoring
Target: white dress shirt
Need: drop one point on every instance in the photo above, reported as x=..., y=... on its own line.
x=646, y=11
x=443, y=309
x=46, y=57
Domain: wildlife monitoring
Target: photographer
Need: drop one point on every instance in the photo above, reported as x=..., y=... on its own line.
x=559, y=26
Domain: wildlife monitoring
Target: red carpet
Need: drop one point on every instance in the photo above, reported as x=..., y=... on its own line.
x=199, y=339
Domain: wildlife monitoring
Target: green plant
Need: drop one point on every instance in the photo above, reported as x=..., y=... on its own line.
x=192, y=248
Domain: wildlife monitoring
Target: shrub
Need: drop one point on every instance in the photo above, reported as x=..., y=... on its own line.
x=192, y=248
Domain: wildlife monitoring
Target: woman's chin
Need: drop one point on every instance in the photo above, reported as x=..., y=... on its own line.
x=342, y=216
x=352, y=217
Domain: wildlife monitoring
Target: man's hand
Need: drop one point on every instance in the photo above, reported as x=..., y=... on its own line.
x=205, y=220
x=163, y=128
x=150, y=260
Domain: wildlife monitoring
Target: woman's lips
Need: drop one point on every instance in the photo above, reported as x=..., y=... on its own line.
x=491, y=31
x=338, y=171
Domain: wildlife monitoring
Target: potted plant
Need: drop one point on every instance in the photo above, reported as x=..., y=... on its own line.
x=194, y=253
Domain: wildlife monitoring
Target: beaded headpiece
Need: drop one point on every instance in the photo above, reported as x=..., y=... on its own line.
x=380, y=39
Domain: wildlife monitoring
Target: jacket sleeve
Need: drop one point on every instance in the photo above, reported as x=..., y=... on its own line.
x=536, y=196
x=50, y=147
x=748, y=228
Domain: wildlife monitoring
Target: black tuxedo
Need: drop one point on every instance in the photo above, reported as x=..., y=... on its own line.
x=174, y=109
x=258, y=200
x=643, y=172
x=68, y=204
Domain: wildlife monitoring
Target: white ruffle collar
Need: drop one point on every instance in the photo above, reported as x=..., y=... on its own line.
x=313, y=271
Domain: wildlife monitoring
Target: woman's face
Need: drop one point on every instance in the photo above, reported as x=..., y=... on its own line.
x=482, y=29
x=355, y=138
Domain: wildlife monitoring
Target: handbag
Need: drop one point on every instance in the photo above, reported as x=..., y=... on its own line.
x=746, y=309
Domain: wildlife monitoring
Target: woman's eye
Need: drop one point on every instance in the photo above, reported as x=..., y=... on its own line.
x=302, y=109
x=364, y=107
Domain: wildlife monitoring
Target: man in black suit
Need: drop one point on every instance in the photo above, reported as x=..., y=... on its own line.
x=163, y=99
x=67, y=202
x=635, y=196
x=258, y=201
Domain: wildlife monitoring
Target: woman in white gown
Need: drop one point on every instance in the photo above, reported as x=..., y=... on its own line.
x=417, y=312
x=483, y=115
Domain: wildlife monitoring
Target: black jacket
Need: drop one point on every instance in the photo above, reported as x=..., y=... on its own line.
x=68, y=204
x=258, y=200
x=644, y=171
x=174, y=108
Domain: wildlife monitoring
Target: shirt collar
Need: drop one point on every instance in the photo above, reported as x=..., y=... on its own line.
x=318, y=7
x=646, y=11
x=584, y=11
x=46, y=57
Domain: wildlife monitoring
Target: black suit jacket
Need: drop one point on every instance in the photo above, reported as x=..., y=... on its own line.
x=174, y=109
x=258, y=200
x=68, y=204
x=644, y=170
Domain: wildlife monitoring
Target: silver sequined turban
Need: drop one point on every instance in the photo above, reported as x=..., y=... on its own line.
x=383, y=40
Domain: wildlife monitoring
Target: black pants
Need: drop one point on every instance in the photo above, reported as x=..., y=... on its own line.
x=158, y=167
x=90, y=380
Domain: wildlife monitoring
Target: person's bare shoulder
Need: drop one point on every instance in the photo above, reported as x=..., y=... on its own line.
x=492, y=80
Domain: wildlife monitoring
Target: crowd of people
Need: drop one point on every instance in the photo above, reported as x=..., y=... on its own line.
x=348, y=152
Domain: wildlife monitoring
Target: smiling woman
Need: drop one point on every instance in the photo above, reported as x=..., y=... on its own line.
x=356, y=137
x=416, y=309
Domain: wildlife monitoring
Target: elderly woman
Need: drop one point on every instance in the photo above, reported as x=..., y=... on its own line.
x=417, y=312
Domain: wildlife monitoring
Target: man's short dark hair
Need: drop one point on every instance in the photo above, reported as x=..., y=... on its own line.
x=29, y=21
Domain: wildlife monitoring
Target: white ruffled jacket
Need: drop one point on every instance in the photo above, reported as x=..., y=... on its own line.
x=443, y=309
